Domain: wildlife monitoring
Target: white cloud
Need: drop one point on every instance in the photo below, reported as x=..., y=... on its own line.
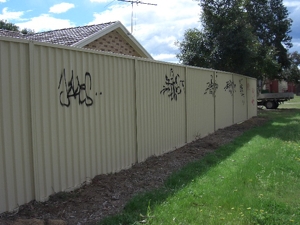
x=166, y=58
x=7, y=15
x=61, y=8
x=2, y=1
x=114, y=13
x=155, y=27
x=45, y=22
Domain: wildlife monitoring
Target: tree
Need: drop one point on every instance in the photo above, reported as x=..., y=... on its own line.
x=292, y=74
x=241, y=36
x=27, y=31
x=270, y=22
x=193, y=49
x=12, y=27
x=8, y=26
x=229, y=36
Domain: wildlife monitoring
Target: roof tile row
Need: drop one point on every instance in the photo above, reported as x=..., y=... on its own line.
x=67, y=36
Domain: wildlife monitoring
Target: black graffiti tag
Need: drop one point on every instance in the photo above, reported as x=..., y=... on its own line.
x=74, y=89
x=242, y=91
x=241, y=88
x=212, y=86
x=172, y=85
x=230, y=86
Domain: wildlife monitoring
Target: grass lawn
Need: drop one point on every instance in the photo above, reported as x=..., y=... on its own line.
x=294, y=103
x=253, y=180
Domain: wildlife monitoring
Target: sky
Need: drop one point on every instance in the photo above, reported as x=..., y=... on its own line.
x=156, y=27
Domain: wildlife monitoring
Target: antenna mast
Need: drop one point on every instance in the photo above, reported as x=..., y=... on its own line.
x=137, y=2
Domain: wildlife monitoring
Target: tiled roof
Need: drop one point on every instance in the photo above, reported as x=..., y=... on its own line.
x=67, y=36
x=80, y=36
x=14, y=34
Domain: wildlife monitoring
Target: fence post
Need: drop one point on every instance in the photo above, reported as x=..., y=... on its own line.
x=247, y=101
x=135, y=111
x=33, y=121
x=233, y=103
x=185, y=104
x=214, y=96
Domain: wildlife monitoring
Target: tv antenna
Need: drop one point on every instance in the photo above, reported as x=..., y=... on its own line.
x=137, y=2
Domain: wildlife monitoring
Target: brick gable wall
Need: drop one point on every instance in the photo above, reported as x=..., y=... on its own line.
x=113, y=42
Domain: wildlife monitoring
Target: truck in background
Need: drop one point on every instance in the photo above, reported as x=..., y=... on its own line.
x=273, y=93
x=273, y=100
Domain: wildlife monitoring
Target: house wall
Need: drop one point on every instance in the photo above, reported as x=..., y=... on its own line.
x=113, y=42
x=292, y=87
x=69, y=114
x=282, y=86
x=276, y=86
x=297, y=89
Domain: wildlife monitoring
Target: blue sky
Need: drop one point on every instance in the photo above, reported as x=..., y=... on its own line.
x=157, y=28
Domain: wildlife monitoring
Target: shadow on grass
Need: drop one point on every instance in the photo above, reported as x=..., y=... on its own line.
x=281, y=121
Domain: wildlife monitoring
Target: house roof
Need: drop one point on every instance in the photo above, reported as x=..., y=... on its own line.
x=68, y=36
x=81, y=36
x=14, y=34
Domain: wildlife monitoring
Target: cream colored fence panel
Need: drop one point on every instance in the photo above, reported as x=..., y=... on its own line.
x=160, y=108
x=16, y=171
x=83, y=107
x=67, y=114
x=240, y=98
x=200, y=103
x=252, y=97
x=224, y=99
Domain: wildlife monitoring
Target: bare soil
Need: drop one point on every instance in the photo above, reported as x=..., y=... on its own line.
x=108, y=194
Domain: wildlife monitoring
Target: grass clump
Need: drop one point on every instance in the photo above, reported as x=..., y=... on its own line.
x=253, y=180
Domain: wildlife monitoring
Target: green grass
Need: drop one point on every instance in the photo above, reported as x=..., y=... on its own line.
x=293, y=103
x=253, y=180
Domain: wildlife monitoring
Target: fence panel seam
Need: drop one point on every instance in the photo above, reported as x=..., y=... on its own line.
x=35, y=157
x=135, y=111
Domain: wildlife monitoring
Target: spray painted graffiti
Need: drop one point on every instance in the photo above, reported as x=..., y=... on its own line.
x=172, y=85
x=75, y=89
x=230, y=86
x=242, y=90
x=253, y=96
x=212, y=86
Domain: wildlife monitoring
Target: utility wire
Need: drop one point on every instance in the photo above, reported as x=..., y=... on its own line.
x=109, y=3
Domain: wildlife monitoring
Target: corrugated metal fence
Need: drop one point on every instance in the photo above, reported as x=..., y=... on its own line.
x=69, y=114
